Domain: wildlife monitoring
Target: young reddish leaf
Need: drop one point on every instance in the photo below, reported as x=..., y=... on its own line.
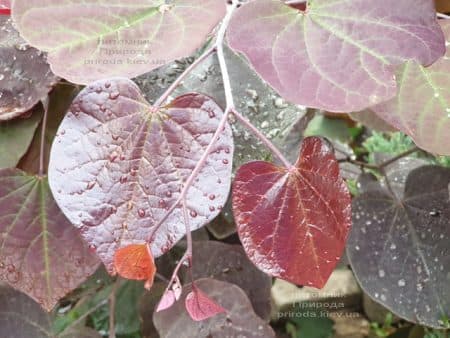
x=293, y=224
x=398, y=246
x=135, y=262
x=117, y=166
x=94, y=39
x=167, y=300
x=200, y=306
x=238, y=321
x=41, y=253
x=422, y=107
x=25, y=76
x=338, y=55
x=5, y=7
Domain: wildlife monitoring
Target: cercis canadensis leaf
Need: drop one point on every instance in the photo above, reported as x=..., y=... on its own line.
x=135, y=262
x=336, y=55
x=398, y=246
x=25, y=76
x=422, y=107
x=293, y=224
x=115, y=38
x=117, y=166
x=41, y=253
x=200, y=306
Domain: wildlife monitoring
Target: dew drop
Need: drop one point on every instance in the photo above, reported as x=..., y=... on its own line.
x=113, y=156
x=141, y=213
x=193, y=213
x=211, y=114
x=92, y=248
x=90, y=185
x=401, y=283
x=393, y=246
x=212, y=208
x=107, y=85
x=169, y=193
x=162, y=204
x=212, y=197
x=114, y=95
x=225, y=161
x=381, y=273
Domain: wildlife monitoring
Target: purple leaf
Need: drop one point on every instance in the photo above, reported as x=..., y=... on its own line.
x=238, y=321
x=94, y=39
x=422, y=107
x=41, y=254
x=116, y=166
x=25, y=76
x=398, y=246
x=338, y=55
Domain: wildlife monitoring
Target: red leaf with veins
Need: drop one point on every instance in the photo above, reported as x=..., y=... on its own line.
x=338, y=55
x=294, y=224
x=117, y=166
x=200, y=306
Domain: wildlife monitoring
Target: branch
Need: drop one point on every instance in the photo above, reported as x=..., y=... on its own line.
x=442, y=16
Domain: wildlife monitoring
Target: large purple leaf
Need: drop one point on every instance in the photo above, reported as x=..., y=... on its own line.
x=96, y=39
x=41, y=254
x=238, y=321
x=116, y=167
x=422, y=107
x=338, y=55
x=398, y=246
x=25, y=76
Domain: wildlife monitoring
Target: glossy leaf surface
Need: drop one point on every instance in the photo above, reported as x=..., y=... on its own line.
x=338, y=55
x=239, y=319
x=41, y=254
x=229, y=263
x=95, y=39
x=116, y=167
x=135, y=262
x=398, y=247
x=16, y=137
x=294, y=224
x=25, y=76
x=422, y=107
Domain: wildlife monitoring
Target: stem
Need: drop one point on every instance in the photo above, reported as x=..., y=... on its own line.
x=442, y=16
x=263, y=139
x=45, y=103
x=398, y=157
x=177, y=82
x=112, y=310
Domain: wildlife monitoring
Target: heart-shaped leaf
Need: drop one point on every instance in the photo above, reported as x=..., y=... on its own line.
x=238, y=321
x=337, y=55
x=200, y=306
x=293, y=224
x=135, y=262
x=117, y=166
x=41, y=254
x=422, y=107
x=25, y=76
x=94, y=39
x=398, y=247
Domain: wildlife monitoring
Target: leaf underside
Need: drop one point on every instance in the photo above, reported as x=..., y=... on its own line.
x=398, y=246
x=422, y=107
x=41, y=253
x=115, y=38
x=294, y=224
x=338, y=55
x=116, y=167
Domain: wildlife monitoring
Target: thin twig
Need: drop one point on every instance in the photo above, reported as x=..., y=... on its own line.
x=398, y=157
x=443, y=16
x=45, y=104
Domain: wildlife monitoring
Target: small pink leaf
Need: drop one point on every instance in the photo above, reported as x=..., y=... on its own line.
x=293, y=224
x=200, y=306
x=337, y=55
x=167, y=300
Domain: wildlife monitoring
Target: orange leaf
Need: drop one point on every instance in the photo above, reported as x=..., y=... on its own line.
x=135, y=262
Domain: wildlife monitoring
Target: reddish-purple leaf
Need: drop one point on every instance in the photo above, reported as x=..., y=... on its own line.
x=5, y=7
x=338, y=55
x=25, y=76
x=117, y=167
x=97, y=39
x=238, y=321
x=422, y=107
x=294, y=224
x=41, y=253
x=200, y=306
